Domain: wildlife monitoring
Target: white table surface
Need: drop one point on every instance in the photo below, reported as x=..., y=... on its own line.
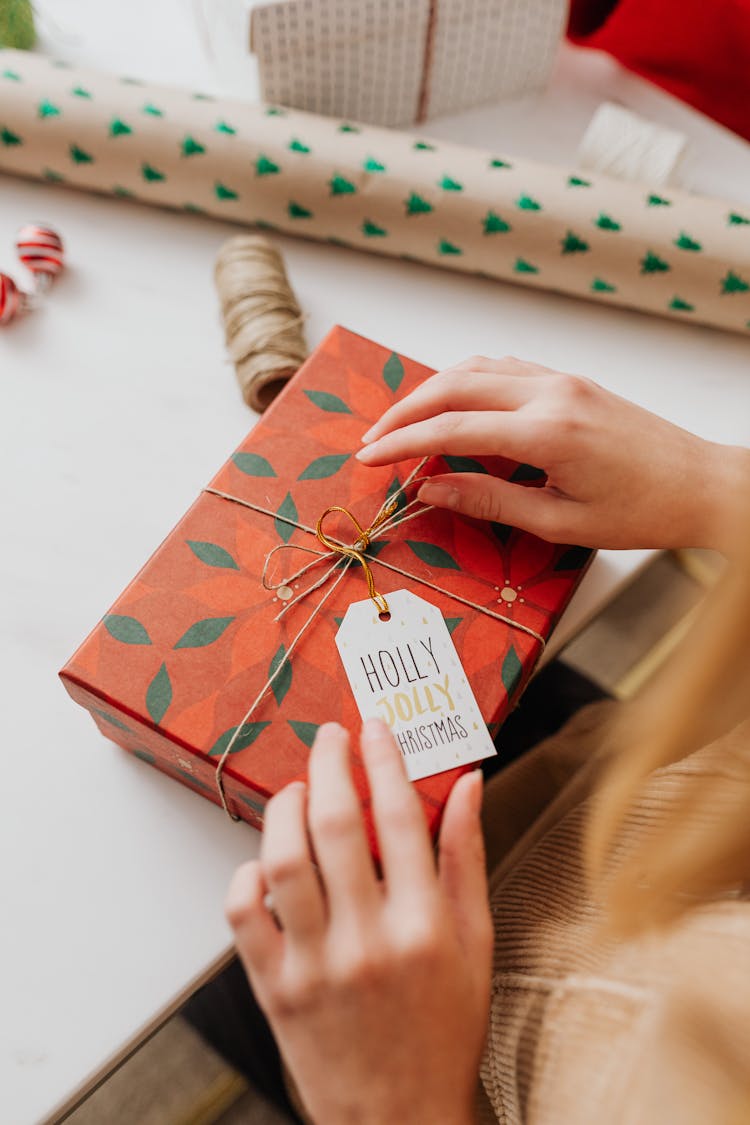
x=117, y=406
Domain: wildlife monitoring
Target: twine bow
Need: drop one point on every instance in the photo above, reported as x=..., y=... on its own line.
x=387, y=518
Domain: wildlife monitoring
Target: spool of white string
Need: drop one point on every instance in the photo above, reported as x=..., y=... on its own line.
x=622, y=144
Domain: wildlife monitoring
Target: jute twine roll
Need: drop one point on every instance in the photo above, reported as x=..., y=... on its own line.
x=262, y=319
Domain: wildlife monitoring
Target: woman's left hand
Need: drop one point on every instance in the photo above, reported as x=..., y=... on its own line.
x=377, y=991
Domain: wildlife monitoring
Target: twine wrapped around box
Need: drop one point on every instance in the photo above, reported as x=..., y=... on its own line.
x=486, y=213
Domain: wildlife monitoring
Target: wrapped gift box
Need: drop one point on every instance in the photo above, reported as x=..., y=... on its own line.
x=171, y=670
x=394, y=62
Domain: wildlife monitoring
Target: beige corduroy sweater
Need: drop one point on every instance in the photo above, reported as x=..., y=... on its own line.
x=652, y=1031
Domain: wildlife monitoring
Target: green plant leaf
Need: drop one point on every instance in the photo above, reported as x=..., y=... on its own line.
x=393, y=488
x=332, y=404
x=453, y=623
x=432, y=555
x=323, y=467
x=393, y=372
x=511, y=671
x=253, y=465
x=463, y=464
x=212, y=554
x=126, y=629
x=573, y=559
x=283, y=681
x=527, y=472
x=246, y=736
x=159, y=695
x=287, y=510
x=305, y=731
x=204, y=632
x=111, y=719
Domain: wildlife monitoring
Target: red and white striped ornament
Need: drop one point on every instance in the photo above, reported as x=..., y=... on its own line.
x=41, y=251
x=11, y=299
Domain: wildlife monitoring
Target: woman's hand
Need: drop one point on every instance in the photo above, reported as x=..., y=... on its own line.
x=617, y=476
x=377, y=991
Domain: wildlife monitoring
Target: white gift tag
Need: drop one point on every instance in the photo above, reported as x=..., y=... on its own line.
x=406, y=671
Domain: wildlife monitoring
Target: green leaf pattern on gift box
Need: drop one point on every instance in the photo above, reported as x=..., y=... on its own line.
x=463, y=464
x=280, y=671
x=453, y=623
x=432, y=555
x=449, y=184
x=212, y=554
x=370, y=164
x=323, y=467
x=297, y=211
x=598, y=285
x=305, y=731
x=654, y=200
x=296, y=145
x=606, y=222
x=678, y=304
x=204, y=632
x=372, y=230
x=423, y=146
x=417, y=205
x=79, y=155
x=528, y=203
x=494, y=224
x=685, y=242
x=9, y=138
x=573, y=244
x=734, y=219
x=112, y=719
x=573, y=559
x=159, y=695
x=151, y=174
x=496, y=162
x=501, y=531
x=253, y=465
x=145, y=756
x=393, y=372
x=246, y=736
x=339, y=185
x=119, y=128
x=127, y=630
x=511, y=671
x=46, y=108
x=446, y=247
x=264, y=166
x=287, y=510
x=522, y=266
x=578, y=181
x=191, y=147
x=733, y=283
x=526, y=472
x=652, y=263
x=395, y=488
x=328, y=402
x=224, y=128
x=222, y=192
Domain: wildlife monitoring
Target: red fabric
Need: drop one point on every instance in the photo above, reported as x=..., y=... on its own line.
x=698, y=50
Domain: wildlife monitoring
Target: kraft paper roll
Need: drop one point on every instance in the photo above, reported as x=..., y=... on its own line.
x=580, y=233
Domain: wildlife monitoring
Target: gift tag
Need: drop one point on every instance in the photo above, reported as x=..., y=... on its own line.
x=406, y=671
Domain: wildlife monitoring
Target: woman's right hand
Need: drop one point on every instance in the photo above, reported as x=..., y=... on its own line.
x=617, y=475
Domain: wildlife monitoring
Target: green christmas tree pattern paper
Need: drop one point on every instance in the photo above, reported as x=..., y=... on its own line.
x=486, y=213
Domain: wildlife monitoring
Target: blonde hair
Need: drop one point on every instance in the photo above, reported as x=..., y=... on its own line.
x=701, y=847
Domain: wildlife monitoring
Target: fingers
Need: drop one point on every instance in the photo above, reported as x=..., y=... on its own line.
x=537, y=510
x=405, y=849
x=473, y=433
x=259, y=941
x=337, y=828
x=452, y=390
x=287, y=866
x=462, y=864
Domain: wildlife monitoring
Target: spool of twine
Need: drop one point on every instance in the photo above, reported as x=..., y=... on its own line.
x=262, y=319
x=17, y=24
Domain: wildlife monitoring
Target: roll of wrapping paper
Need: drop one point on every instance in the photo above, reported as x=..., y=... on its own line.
x=391, y=193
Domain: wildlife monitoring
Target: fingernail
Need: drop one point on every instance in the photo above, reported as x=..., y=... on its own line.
x=441, y=495
x=374, y=726
x=325, y=730
x=367, y=436
x=478, y=789
x=365, y=454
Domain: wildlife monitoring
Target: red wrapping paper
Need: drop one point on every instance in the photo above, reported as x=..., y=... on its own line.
x=171, y=670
